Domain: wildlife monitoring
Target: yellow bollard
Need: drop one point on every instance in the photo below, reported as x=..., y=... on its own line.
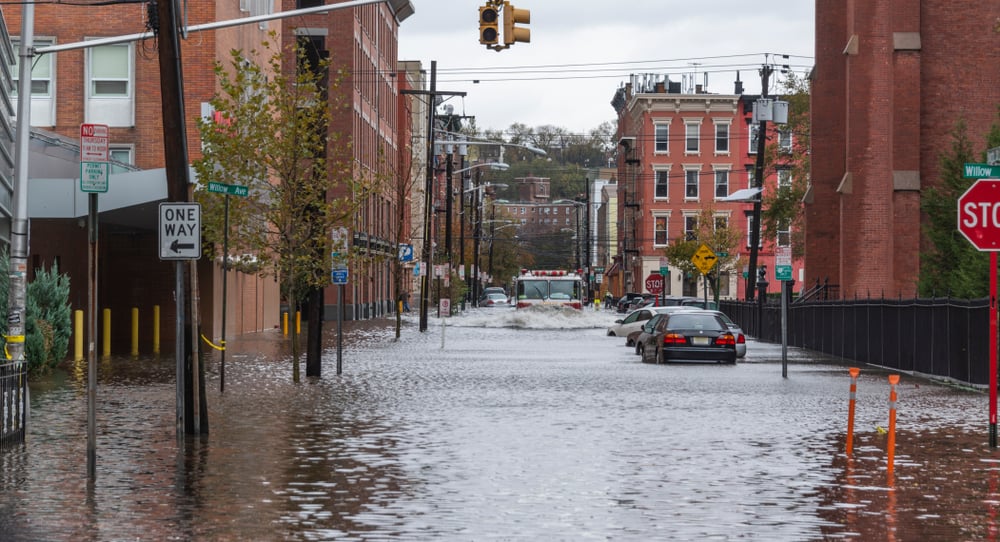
x=298, y=323
x=156, y=329
x=135, y=331
x=850, y=409
x=891, y=445
x=284, y=323
x=77, y=335
x=106, y=334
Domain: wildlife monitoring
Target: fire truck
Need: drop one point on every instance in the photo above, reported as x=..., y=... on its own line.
x=538, y=287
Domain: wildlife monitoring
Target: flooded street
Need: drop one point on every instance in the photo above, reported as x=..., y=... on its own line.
x=512, y=426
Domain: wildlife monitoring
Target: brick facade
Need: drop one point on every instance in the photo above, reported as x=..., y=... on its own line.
x=892, y=79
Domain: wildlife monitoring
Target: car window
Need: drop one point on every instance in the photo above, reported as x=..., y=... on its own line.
x=693, y=320
x=631, y=318
x=644, y=315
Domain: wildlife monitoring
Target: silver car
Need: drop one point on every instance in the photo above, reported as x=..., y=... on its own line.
x=741, y=338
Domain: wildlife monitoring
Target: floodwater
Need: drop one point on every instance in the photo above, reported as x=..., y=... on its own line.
x=502, y=425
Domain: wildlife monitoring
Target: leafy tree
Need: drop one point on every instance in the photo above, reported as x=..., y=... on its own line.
x=781, y=209
x=718, y=236
x=949, y=264
x=274, y=138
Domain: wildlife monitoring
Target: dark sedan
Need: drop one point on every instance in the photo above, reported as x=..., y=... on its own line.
x=696, y=337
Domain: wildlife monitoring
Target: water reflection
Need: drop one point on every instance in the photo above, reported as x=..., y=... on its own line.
x=516, y=432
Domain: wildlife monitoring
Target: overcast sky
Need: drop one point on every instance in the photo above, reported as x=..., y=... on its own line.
x=581, y=51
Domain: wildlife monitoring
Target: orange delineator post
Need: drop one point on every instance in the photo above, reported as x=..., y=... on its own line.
x=891, y=445
x=850, y=409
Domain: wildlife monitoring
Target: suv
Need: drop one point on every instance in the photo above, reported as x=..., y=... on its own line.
x=625, y=300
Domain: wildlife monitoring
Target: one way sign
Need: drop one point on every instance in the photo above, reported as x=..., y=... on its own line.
x=180, y=231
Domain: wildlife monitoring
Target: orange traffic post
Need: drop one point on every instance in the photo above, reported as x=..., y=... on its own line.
x=891, y=446
x=850, y=409
x=298, y=322
x=284, y=323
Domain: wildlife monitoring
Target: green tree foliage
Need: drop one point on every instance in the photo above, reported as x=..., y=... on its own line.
x=781, y=209
x=274, y=139
x=714, y=233
x=949, y=264
x=49, y=320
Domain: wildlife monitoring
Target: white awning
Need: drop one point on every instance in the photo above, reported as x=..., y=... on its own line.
x=746, y=194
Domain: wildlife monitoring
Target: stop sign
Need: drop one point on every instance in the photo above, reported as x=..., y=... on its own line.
x=979, y=214
x=654, y=283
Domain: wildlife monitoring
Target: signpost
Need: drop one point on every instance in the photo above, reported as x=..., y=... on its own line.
x=979, y=222
x=228, y=190
x=94, y=151
x=654, y=283
x=339, y=276
x=180, y=231
x=705, y=259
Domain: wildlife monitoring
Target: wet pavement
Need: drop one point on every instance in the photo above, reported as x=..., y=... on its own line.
x=503, y=425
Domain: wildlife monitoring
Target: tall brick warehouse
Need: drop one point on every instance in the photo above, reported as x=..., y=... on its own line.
x=892, y=78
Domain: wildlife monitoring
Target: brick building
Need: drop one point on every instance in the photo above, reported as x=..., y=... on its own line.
x=119, y=85
x=682, y=152
x=892, y=79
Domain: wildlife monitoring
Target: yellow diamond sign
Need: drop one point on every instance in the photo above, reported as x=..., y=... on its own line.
x=704, y=259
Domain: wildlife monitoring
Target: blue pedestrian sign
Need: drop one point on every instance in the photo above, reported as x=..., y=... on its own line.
x=405, y=252
x=339, y=275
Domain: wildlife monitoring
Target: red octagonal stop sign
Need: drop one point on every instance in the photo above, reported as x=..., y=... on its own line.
x=654, y=283
x=979, y=214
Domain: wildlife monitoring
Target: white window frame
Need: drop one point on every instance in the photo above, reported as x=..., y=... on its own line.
x=657, y=140
x=752, y=129
x=760, y=242
x=690, y=225
x=688, y=171
x=724, y=171
x=113, y=110
x=665, y=217
x=661, y=173
x=721, y=124
x=784, y=178
x=43, y=106
x=724, y=218
x=784, y=237
x=114, y=151
x=785, y=140
x=695, y=127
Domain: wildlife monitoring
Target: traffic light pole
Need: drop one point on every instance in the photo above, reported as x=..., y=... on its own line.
x=758, y=182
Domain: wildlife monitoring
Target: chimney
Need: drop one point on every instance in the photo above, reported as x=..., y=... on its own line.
x=738, y=85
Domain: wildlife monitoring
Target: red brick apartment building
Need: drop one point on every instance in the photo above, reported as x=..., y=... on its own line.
x=119, y=85
x=681, y=153
x=892, y=79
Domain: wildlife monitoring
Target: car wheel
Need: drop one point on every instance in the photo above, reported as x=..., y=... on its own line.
x=659, y=357
x=629, y=342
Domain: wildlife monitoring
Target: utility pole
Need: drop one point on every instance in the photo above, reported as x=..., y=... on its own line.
x=426, y=254
x=758, y=182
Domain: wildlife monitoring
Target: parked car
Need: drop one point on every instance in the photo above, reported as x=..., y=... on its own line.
x=644, y=300
x=689, y=336
x=495, y=300
x=625, y=300
x=634, y=337
x=632, y=322
x=741, y=338
x=484, y=296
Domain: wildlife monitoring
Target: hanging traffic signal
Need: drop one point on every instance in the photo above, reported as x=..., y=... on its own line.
x=512, y=16
x=489, y=25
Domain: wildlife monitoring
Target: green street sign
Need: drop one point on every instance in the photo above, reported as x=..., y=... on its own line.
x=981, y=171
x=783, y=272
x=722, y=254
x=231, y=189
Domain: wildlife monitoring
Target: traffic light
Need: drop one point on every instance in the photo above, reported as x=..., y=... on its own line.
x=512, y=16
x=489, y=25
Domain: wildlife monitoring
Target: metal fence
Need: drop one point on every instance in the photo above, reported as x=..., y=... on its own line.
x=943, y=337
x=13, y=403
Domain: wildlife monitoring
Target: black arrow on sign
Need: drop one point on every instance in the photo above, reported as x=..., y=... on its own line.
x=177, y=246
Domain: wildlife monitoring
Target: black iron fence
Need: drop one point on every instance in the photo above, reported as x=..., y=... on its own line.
x=943, y=337
x=13, y=403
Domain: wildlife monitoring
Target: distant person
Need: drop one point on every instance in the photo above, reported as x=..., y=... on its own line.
x=597, y=304
x=405, y=298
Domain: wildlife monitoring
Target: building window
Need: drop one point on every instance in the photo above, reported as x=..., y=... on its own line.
x=691, y=183
x=785, y=140
x=724, y=284
x=760, y=241
x=721, y=222
x=120, y=154
x=750, y=176
x=692, y=138
x=721, y=183
x=110, y=97
x=753, y=131
x=43, y=104
x=784, y=179
x=660, y=230
x=784, y=234
x=662, y=136
x=690, y=227
x=722, y=138
x=662, y=184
